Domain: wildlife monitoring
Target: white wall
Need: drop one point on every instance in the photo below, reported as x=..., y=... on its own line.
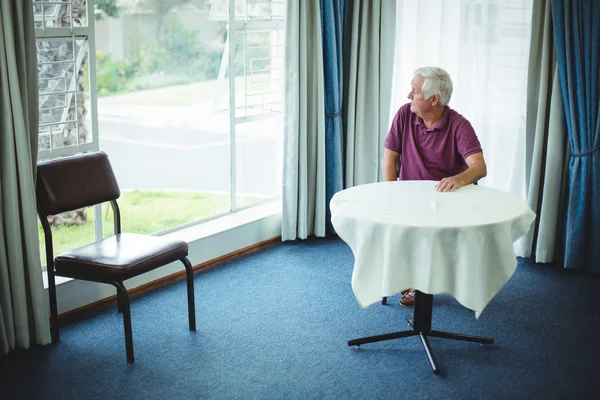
x=120, y=36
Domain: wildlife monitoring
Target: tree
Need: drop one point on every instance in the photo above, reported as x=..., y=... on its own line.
x=107, y=8
x=162, y=7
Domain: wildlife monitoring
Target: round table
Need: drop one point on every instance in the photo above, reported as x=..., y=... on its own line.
x=405, y=234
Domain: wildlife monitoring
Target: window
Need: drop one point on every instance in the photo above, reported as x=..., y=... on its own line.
x=63, y=48
x=185, y=99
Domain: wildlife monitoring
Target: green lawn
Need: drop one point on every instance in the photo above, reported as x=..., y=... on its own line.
x=141, y=212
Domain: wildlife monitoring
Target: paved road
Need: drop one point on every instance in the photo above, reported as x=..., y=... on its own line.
x=180, y=158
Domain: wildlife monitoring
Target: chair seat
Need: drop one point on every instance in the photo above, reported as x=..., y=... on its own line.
x=119, y=257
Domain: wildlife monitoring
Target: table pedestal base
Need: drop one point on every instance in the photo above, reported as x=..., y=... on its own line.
x=421, y=326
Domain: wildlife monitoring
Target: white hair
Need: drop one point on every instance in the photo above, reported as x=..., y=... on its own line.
x=436, y=81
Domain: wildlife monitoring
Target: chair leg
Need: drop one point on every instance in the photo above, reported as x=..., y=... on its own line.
x=54, y=334
x=125, y=309
x=119, y=302
x=189, y=272
x=384, y=301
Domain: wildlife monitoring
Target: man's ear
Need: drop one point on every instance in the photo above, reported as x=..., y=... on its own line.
x=435, y=99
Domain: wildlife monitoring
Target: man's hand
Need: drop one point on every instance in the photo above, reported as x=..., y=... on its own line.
x=476, y=169
x=449, y=184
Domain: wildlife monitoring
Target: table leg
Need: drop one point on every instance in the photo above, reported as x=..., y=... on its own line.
x=460, y=336
x=434, y=366
x=421, y=325
x=381, y=338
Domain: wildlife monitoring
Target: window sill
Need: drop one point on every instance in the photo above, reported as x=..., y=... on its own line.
x=206, y=241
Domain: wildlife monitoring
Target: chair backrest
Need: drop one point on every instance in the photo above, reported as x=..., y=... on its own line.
x=69, y=183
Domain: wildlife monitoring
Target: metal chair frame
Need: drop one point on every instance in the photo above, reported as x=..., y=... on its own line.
x=123, y=301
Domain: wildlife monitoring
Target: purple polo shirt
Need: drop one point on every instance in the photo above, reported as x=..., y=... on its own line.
x=435, y=153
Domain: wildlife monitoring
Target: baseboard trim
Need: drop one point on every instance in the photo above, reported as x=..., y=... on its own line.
x=92, y=308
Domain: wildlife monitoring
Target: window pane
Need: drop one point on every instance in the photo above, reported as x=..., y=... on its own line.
x=159, y=113
x=258, y=160
x=259, y=61
x=69, y=230
x=259, y=103
x=63, y=93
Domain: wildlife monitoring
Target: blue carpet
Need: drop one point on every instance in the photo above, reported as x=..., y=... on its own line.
x=274, y=325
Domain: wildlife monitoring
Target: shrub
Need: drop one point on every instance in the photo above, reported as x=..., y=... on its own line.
x=113, y=76
x=176, y=58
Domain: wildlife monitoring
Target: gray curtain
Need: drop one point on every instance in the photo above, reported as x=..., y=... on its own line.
x=368, y=87
x=303, y=194
x=23, y=312
x=546, y=140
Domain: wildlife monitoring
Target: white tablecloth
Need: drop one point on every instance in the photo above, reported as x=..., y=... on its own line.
x=405, y=234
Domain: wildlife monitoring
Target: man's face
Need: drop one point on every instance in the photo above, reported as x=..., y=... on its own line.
x=419, y=105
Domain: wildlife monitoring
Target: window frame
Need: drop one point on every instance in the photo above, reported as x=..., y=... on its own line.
x=241, y=26
x=87, y=34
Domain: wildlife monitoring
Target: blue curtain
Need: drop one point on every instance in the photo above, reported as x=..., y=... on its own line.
x=332, y=24
x=577, y=38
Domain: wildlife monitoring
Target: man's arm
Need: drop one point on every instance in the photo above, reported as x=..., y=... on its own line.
x=475, y=171
x=389, y=164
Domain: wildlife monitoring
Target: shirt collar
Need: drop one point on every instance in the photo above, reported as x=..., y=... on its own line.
x=441, y=124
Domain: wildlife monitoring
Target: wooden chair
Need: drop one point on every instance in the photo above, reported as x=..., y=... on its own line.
x=69, y=183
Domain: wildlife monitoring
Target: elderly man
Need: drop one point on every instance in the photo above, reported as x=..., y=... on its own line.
x=430, y=141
